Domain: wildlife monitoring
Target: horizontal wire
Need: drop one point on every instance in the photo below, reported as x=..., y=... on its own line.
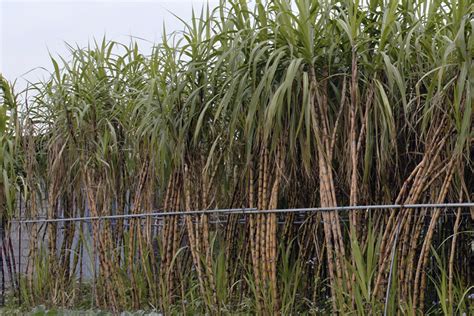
x=246, y=211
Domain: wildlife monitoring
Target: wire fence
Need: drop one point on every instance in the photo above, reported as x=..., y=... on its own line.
x=25, y=236
x=229, y=211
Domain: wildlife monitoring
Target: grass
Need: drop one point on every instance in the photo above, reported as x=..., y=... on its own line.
x=278, y=105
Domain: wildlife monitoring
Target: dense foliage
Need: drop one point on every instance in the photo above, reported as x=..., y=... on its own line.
x=276, y=105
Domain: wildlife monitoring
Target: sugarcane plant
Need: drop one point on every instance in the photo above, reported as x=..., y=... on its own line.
x=9, y=180
x=272, y=105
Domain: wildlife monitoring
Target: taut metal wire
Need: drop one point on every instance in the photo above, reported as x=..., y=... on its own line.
x=244, y=211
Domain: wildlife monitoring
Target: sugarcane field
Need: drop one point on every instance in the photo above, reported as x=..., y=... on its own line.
x=268, y=157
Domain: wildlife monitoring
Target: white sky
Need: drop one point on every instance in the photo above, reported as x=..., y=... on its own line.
x=30, y=30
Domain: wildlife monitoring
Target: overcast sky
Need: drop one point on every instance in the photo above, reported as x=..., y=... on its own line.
x=29, y=30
